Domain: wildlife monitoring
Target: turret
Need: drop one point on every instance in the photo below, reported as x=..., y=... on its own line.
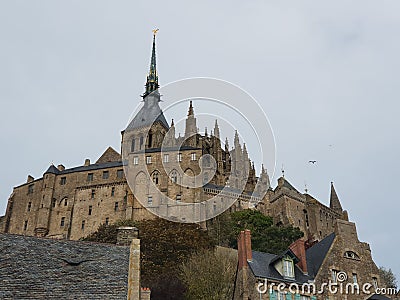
x=43, y=218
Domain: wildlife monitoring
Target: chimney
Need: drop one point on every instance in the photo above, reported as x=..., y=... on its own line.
x=126, y=234
x=299, y=249
x=61, y=167
x=244, y=248
x=134, y=270
x=30, y=178
x=87, y=162
x=145, y=293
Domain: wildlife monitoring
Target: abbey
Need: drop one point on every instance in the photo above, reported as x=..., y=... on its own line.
x=166, y=173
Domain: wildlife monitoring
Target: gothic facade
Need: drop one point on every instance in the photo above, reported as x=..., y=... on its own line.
x=166, y=174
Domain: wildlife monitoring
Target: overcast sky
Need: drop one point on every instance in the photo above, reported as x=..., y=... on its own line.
x=326, y=74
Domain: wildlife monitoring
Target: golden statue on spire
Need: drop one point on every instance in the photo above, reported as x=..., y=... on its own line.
x=155, y=31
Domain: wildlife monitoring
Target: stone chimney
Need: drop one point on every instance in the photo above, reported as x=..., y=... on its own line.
x=30, y=178
x=244, y=248
x=61, y=167
x=126, y=234
x=299, y=249
x=87, y=162
x=134, y=270
x=145, y=294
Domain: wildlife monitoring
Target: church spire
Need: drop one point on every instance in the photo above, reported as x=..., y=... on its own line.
x=152, y=78
x=334, y=201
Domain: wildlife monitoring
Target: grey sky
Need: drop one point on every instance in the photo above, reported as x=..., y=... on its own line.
x=325, y=73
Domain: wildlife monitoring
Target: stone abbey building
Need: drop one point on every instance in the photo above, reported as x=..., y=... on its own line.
x=70, y=203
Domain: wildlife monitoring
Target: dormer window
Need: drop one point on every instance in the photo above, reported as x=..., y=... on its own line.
x=351, y=255
x=288, y=267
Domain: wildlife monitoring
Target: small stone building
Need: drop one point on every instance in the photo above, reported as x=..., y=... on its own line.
x=336, y=268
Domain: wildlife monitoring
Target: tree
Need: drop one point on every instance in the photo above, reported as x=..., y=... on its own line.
x=210, y=274
x=388, y=278
x=265, y=236
x=164, y=246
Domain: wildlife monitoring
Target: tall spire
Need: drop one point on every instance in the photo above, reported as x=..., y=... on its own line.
x=334, y=201
x=216, y=129
x=152, y=78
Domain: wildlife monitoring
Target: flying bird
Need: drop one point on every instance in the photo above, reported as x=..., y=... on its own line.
x=312, y=161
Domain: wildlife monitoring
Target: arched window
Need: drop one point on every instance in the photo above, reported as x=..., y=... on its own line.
x=156, y=177
x=174, y=176
x=141, y=142
x=133, y=145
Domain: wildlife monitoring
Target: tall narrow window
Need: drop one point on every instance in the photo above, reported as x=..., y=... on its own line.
x=136, y=160
x=63, y=180
x=65, y=202
x=30, y=189
x=179, y=157
x=90, y=177
x=112, y=191
x=141, y=142
x=116, y=206
x=53, y=203
x=133, y=145
x=150, y=140
x=306, y=217
x=166, y=158
x=150, y=200
x=155, y=177
x=83, y=225
x=148, y=160
x=107, y=221
x=120, y=174
x=193, y=156
x=93, y=194
x=334, y=276
x=90, y=210
x=62, y=223
x=288, y=268
x=174, y=176
x=355, y=280
x=106, y=174
x=25, y=225
x=29, y=206
x=375, y=282
x=179, y=197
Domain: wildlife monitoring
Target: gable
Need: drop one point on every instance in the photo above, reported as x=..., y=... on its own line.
x=110, y=155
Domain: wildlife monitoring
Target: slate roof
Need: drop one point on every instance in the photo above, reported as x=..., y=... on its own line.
x=315, y=255
x=378, y=297
x=52, y=170
x=149, y=113
x=262, y=264
x=39, y=268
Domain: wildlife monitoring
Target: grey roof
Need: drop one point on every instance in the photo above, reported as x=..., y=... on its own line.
x=149, y=113
x=378, y=297
x=39, y=268
x=262, y=266
x=167, y=149
x=315, y=255
x=52, y=170
x=287, y=184
x=92, y=167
